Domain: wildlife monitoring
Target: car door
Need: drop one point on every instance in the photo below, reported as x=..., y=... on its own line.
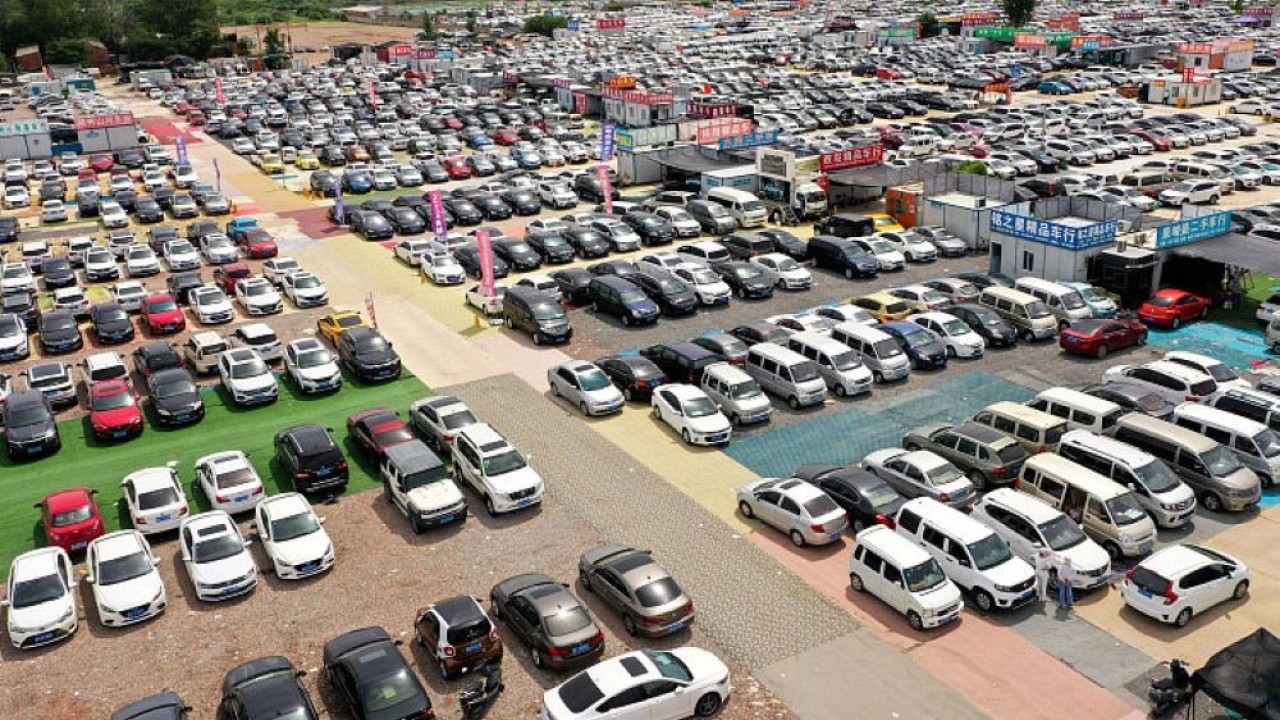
x=766, y=507
x=524, y=619
x=467, y=459
x=629, y=704
x=789, y=514
x=893, y=588
x=611, y=589
x=666, y=700
x=567, y=384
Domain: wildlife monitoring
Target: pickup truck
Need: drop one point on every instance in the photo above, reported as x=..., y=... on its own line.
x=417, y=483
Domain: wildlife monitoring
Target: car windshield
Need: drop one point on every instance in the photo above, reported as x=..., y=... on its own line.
x=566, y=621
x=73, y=516
x=314, y=358
x=114, y=401
x=633, y=296
x=1072, y=300
x=294, y=526
x=669, y=665
x=372, y=343
x=23, y=417
x=1220, y=372
x=37, y=591
x=955, y=327
x=882, y=246
x=918, y=339
x=1094, y=295
x=887, y=349
x=248, y=369
x=548, y=312
x=158, y=498
x=425, y=477
x=854, y=251
x=502, y=463
x=847, y=360
x=747, y=272
x=699, y=407
x=1267, y=443
x=924, y=576
x=659, y=592
x=580, y=693
x=805, y=371
x=305, y=282
x=1220, y=461
x=1185, y=186
x=388, y=691
x=123, y=569
x=943, y=474
x=592, y=379
x=219, y=548
x=1037, y=310
x=704, y=276
x=1125, y=509
x=1062, y=533
x=989, y=552
x=159, y=306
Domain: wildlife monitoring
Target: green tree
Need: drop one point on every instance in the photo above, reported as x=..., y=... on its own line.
x=972, y=167
x=471, y=21
x=1237, y=6
x=545, y=24
x=66, y=51
x=428, y=31
x=1019, y=12
x=271, y=44
x=929, y=26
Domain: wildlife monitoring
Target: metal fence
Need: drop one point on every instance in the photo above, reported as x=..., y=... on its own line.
x=1129, y=218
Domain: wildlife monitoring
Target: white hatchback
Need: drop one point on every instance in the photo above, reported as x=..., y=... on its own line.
x=1177, y=582
x=229, y=481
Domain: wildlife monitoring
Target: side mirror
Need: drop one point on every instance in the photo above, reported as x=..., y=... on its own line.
x=398, y=642
x=300, y=673
x=323, y=520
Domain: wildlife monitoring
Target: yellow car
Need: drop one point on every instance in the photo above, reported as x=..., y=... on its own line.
x=882, y=306
x=272, y=164
x=307, y=161
x=332, y=326
x=885, y=223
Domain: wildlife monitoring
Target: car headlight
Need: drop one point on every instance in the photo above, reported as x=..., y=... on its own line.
x=158, y=594
x=1006, y=588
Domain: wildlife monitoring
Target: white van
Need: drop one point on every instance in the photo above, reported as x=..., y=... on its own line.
x=841, y=367
x=737, y=393
x=742, y=205
x=1029, y=525
x=787, y=374
x=1252, y=442
x=970, y=553
x=1081, y=411
x=1067, y=304
x=1165, y=498
x=1108, y=513
x=879, y=352
x=904, y=577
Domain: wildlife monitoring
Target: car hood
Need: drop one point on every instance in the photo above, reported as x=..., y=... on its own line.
x=302, y=550
x=25, y=433
x=118, y=416
x=606, y=394
x=180, y=401
x=13, y=341
x=1086, y=557
x=42, y=615
x=438, y=494
x=521, y=479
x=709, y=424
x=257, y=382
x=263, y=299
x=130, y=593
x=1011, y=572
x=376, y=357
x=224, y=570
x=318, y=372
x=702, y=664
x=220, y=306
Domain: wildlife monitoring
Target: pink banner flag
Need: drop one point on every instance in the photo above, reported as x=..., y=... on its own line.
x=486, y=263
x=606, y=189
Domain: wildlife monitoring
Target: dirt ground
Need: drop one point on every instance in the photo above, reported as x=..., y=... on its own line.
x=327, y=34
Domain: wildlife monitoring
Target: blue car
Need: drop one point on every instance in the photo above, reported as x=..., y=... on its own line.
x=528, y=160
x=923, y=348
x=479, y=141
x=357, y=181
x=1050, y=87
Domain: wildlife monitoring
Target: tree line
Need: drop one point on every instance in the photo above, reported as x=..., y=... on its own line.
x=144, y=29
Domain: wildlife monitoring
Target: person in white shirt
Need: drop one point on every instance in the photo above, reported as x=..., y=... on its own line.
x=1066, y=577
x=1044, y=567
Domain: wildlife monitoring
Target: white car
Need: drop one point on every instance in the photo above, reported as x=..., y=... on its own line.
x=53, y=211
x=127, y=587
x=384, y=179
x=921, y=298
x=660, y=263
x=959, y=339
x=913, y=246
x=887, y=255
x=684, y=223
x=41, y=601
x=557, y=195
x=210, y=305
x=677, y=683
x=100, y=264
x=495, y=469
x=260, y=338
x=1192, y=191
x=181, y=255
x=229, y=481
x=278, y=268
x=585, y=386
x=305, y=289
x=442, y=268
x=311, y=366
x=16, y=277
x=141, y=261
x=129, y=294
x=806, y=514
x=246, y=378
x=1222, y=374
x=783, y=271
x=216, y=557
x=706, y=284
x=439, y=418
x=410, y=250
x=14, y=341
x=155, y=498
x=112, y=216
x=1174, y=382
x=258, y=296
x=71, y=299
x=218, y=249
x=1176, y=583
x=293, y=536
x=692, y=414
x=16, y=196
x=184, y=176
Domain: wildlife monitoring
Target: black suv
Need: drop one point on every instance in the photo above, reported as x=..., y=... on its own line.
x=368, y=355
x=30, y=430
x=308, y=454
x=652, y=229
x=673, y=296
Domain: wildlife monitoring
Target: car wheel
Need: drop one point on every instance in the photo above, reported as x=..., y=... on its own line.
x=1113, y=550
x=1242, y=589
x=840, y=391
x=488, y=506
x=684, y=434
x=984, y=600
x=1027, y=336
x=626, y=320
x=745, y=508
x=582, y=406
x=735, y=419
x=1177, y=323
x=951, y=352
x=707, y=705
x=913, y=619
x=535, y=655
x=1102, y=352
x=1183, y=618
x=848, y=273
x=978, y=479
x=794, y=402
x=1214, y=200
x=855, y=582
x=555, y=391
x=1204, y=313
x=877, y=377
x=586, y=582
x=537, y=337
x=797, y=539
x=629, y=624
x=1212, y=502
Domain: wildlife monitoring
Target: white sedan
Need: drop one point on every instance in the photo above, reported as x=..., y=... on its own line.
x=155, y=498
x=16, y=277
x=210, y=305
x=676, y=683
x=129, y=295
x=585, y=386
x=41, y=600
x=783, y=271
x=53, y=211
x=293, y=536
x=410, y=250
x=305, y=289
x=141, y=261
x=278, y=268
x=490, y=305
x=706, y=284
x=112, y=216
x=442, y=268
x=921, y=473
x=229, y=481
x=692, y=414
x=181, y=255
x=216, y=557
x=806, y=514
x=127, y=587
x=258, y=296
x=959, y=339
x=1177, y=582
x=218, y=249
x=16, y=196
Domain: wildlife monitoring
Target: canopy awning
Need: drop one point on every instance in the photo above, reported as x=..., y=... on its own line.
x=1255, y=253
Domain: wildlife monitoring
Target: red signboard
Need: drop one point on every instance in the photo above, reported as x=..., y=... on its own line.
x=611, y=24
x=638, y=97
x=1030, y=41
x=1262, y=13
x=1070, y=21
x=99, y=122
x=485, y=250
x=1196, y=49
x=424, y=53
x=580, y=103
x=1188, y=75
x=1096, y=40
x=712, y=110
x=373, y=93
x=851, y=157
x=977, y=19
x=400, y=50
x=711, y=132
x=221, y=96
x=606, y=189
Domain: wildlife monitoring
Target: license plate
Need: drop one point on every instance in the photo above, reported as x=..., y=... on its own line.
x=136, y=612
x=118, y=434
x=309, y=567
x=445, y=518
x=80, y=545
x=473, y=647
x=1144, y=592
x=833, y=536
x=44, y=637
x=1073, y=340
x=948, y=619
x=240, y=498
x=182, y=418
x=524, y=502
x=1027, y=595
x=676, y=627
x=163, y=518
x=323, y=472
x=34, y=449
x=580, y=648
x=1144, y=549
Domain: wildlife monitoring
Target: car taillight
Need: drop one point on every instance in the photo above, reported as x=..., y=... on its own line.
x=1170, y=597
x=1017, y=483
x=184, y=511
x=642, y=384
x=598, y=639
x=882, y=519
x=1001, y=471
x=688, y=608
x=220, y=498
x=1192, y=398
x=449, y=651
x=342, y=465
x=493, y=635
x=943, y=497
x=257, y=491
x=655, y=620
x=304, y=474
x=140, y=521
x=554, y=651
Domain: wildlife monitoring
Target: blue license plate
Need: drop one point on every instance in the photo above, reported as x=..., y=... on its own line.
x=1144, y=549
x=34, y=449
x=1027, y=595
x=833, y=536
x=134, y=613
x=323, y=472
x=444, y=519
x=240, y=498
x=119, y=434
x=473, y=647
x=44, y=637
x=524, y=502
x=80, y=545
x=182, y=418
x=715, y=438
x=309, y=567
x=676, y=627
x=164, y=518
x=580, y=648
x=948, y=619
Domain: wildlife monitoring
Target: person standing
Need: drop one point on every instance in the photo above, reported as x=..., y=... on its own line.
x=1044, y=567
x=1066, y=578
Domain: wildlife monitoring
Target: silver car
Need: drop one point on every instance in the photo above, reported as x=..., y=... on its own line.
x=921, y=473
x=585, y=386
x=805, y=513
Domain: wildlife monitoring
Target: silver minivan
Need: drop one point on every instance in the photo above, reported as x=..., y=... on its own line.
x=1254, y=443
x=787, y=374
x=841, y=367
x=1168, y=501
x=1213, y=471
x=1065, y=303
x=879, y=352
x=737, y=393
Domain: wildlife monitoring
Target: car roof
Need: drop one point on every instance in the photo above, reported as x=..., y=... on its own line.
x=1176, y=560
x=36, y=563
x=459, y=610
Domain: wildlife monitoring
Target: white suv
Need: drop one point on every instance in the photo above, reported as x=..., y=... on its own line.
x=246, y=377
x=1170, y=380
x=495, y=469
x=1175, y=583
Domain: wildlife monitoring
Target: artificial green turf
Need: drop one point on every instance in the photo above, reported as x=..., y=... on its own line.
x=85, y=462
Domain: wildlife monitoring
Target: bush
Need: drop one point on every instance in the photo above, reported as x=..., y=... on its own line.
x=972, y=167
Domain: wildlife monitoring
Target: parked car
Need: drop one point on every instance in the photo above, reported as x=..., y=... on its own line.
x=630, y=581
x=1177, y=582
x=677, y=683
x=123, y=575
x=371, y=676
x=293, y=536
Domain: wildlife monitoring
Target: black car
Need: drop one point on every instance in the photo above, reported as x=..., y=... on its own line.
x=588, y=187
x=266, y=689
x=331, y=156
x=517, y=254
x=761, y=332
x=148, y=210
x=367, y=355
x=370, y=225
x=551, y=246
x=58, y=273
x=405, y=221
x=373, y=678
x=324, y=183
x=9, y=229
x=160, y=236
x=586, y=242
x=23, y=304
x=88, y=205
x=867, y=499
x=635, y=375
x=652, y=229
x=59, y=332
x=785, y=242
x=175, y=397
x=746, y=280
x=573, y=284
x=987, y=323
x=311, y=459
x=127, y=199
x=464, y=212
x=29, y=426
x=673, y=296
x=468, y=256
x=491, y=206
x=985, y=280
x=163, y=706
x=156, y=356
x=523, y=201
x=423, y=211
x=198, y=229
x=434, y=172
x=111, y=323
x=621, y=268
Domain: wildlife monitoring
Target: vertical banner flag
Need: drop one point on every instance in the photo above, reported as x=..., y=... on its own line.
x=182, y=150
x=339, y=210
x=607, y=140
x=373, y=93
x=486, y=262
x=369, y=308
x=439, y=223
x=606, y=189
x=217, y=175
x=222, y=96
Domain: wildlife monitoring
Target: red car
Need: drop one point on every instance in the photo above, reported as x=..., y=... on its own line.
x=162, y=315
x=1096, y=338
x=227, y=275
x=114, y=412
x=452, y=122
x=195, y=118
x=1171, y=307
x=1161, y=144
x=457, y=168
x=259, y=243
x=505, y=136
x=102, y=163
x=378, y=429
x=70, y=518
